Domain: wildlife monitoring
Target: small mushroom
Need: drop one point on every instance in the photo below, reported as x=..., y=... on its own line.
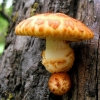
x=59, y=30
x=59, y=83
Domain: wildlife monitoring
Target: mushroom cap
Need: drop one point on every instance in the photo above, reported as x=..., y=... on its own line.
x=59, y=83
x=56, y=25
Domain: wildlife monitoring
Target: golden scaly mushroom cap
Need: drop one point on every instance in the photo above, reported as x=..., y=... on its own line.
x=56, y=25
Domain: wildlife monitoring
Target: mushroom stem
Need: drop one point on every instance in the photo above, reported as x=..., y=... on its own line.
x=58, y=56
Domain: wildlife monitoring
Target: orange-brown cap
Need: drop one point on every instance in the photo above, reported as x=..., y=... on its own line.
x=56, y=25
x=59, y=83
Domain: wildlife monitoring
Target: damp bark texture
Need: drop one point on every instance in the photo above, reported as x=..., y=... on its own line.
x=23, y=77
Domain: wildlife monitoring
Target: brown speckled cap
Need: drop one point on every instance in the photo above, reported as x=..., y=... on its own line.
x=59, y=83
x=56, y=25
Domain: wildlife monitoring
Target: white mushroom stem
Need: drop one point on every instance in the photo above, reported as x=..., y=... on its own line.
x=58, y=56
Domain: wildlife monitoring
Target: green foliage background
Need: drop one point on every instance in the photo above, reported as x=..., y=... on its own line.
x=4, y=27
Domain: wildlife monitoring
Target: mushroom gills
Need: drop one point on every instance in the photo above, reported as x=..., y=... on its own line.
x=58, y=56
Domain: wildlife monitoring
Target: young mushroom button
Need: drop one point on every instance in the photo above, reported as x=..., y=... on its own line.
x=59, y=83
x=59, y=30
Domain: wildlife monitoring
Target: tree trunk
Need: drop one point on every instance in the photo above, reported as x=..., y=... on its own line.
x=23, y=77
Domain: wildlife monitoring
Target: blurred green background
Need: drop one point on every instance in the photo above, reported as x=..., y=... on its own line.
x=5, y=15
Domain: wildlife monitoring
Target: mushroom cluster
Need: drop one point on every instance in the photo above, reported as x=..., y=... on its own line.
x=59, y=30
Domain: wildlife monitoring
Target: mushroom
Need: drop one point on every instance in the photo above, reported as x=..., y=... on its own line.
x=59, y=30
x=59, y=83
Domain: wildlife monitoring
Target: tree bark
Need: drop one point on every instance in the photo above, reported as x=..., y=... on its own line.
x=23, y=77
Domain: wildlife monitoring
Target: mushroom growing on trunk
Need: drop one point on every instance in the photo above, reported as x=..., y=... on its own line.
x=59, y=30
